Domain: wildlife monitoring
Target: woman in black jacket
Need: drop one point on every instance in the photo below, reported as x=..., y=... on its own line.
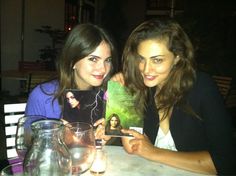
x=186, y=124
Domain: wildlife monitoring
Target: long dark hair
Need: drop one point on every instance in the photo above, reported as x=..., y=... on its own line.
x=109, y=119
x=181, y=77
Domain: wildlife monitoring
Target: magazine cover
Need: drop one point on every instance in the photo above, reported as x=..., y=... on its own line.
x=120, y=112
x=83, y=105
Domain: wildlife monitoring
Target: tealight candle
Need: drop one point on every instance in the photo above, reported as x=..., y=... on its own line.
x=99, y=163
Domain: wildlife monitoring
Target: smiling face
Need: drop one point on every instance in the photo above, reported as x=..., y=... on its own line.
x=92, y=69
x=156, y=62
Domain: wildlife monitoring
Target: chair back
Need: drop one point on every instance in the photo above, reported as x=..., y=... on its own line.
x=231, y=99
x=36, y=78
x=12, y=113
x=31, y=66
x=224, y=84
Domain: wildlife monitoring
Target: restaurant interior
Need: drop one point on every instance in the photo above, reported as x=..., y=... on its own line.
x=32, y=34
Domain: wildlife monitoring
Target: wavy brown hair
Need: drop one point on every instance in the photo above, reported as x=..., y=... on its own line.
x=181, y=77
x=81, y=41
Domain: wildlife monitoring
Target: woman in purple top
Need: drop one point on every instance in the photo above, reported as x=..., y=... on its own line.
x=85, y=63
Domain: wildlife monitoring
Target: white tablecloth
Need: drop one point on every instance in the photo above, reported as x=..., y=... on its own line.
x=120, y=163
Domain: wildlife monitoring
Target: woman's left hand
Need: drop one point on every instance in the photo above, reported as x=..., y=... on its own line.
x=64, y=121
x=139, y=144
x=118, y=77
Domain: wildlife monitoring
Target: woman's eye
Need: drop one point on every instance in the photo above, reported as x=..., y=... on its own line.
x=108, y=60
x=94, y=59
x=141, y=58
x=157, y=60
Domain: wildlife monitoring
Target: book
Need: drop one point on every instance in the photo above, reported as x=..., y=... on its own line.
x=120, y=111
x=83, y=105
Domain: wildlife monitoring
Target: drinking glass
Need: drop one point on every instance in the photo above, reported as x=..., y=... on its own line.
x=24, y=134
x=80, y=141
x=15, y=169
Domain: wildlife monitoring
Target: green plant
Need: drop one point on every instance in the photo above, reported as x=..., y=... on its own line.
x=49, y=53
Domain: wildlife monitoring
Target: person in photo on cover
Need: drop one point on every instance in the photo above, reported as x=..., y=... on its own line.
x=88, y=105
x=71, y=99
x=113, y=126
x=186, y=124
x=86, y=63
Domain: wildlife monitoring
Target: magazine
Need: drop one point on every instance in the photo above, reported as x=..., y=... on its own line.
x=120, y=112
x=83, y=105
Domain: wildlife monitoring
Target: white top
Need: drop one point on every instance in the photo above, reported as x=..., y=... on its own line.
x=165, y=141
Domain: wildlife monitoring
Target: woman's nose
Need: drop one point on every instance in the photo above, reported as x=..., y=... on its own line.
x=147, y=66
x=101, y=67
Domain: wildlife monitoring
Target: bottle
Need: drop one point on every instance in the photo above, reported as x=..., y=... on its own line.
x=48, y=154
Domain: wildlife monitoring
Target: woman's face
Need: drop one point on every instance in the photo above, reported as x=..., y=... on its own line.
x=113, y=122
x=71, y=99
x=92, y=69
x=156, y=62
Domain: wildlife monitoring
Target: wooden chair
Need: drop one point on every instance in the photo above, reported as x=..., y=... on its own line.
x=230, y=103
x=37, y=78
x=31, y=65
x=231, y=99
x=33, y=80
x=227, y=87
x=12, y=113
x=224, y=84
x=37, y=73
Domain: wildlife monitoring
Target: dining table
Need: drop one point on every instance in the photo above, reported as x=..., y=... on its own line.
x=28, y=79
x=120, y=163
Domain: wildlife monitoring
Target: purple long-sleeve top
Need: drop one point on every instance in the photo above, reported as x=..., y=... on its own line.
x=41, y=101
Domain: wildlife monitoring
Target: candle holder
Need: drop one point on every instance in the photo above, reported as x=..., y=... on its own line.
x=99, y=164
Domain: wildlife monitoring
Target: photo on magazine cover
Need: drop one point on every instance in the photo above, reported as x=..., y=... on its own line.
x=120, y=112
x=83, y=105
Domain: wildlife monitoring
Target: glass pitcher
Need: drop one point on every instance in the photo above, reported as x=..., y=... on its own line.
x=48, y=154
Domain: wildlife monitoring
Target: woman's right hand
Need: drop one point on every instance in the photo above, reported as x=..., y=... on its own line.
x=118, y=77
x=100, y=130
x=139, y=144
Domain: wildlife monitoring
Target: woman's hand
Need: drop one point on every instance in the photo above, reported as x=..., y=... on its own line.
x=100, y=130
x=139, y=144
x=64, y=121
x=118, y=77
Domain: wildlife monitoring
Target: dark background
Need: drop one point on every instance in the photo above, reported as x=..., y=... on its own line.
x=210, y=24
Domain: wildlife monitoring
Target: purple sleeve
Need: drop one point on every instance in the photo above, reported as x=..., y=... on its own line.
x=40, y=103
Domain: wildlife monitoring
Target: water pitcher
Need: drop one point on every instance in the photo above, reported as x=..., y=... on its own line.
x=48, y=154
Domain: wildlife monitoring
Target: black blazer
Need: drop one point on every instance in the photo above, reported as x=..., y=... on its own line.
x=213, y=133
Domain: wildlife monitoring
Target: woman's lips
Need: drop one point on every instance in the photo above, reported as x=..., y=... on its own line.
x=150, y=78
x=98, y=76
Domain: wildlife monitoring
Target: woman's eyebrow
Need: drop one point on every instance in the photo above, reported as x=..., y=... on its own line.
x=157, y=56
x=153, y=57
x=93, y=55
x=98, y=56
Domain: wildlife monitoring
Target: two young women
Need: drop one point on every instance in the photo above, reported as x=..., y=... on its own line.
x=186, y=124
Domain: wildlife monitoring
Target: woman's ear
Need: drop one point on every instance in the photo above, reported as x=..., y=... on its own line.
x=177, y=58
